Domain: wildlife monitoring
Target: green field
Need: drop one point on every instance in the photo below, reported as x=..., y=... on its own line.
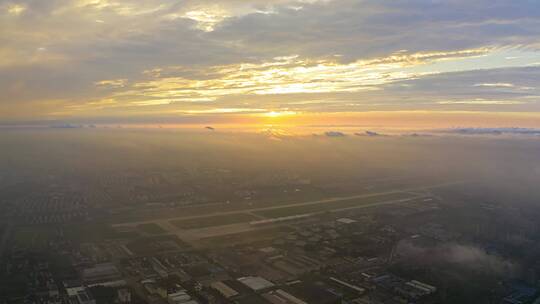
x=217, y=220
x=244, y=237
x=39, y=236
x=156, y=244
x=91, y=232
x=151, y=228
x=36, y=236
x=329, y=206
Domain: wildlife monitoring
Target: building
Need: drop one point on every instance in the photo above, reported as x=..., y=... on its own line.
x=312, y=293
x=124, y=296
x=280, y=296
x=101, y=273
x=226, y=291
x=180, y=297
x=345, y=220
x=256, y=283
x=80, y=295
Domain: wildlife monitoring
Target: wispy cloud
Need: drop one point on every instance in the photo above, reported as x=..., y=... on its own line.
x=206, y=18
x=480, y=101
x=113, y=83
x=495, y=85
x=282, y=75
x=15, y=9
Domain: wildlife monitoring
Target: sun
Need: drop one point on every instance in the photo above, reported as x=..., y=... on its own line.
x=276, y=114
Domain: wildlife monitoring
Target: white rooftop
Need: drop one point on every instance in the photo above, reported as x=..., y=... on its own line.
x=345, y=220
x=256, y=283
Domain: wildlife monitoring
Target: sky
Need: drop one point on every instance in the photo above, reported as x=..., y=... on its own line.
x=428, y=63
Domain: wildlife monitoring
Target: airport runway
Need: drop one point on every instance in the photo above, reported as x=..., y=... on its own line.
x=216, y=230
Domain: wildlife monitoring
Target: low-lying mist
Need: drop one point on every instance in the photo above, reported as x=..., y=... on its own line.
x=509, y=163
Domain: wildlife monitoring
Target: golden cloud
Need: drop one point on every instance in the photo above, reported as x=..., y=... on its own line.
x=282, y=75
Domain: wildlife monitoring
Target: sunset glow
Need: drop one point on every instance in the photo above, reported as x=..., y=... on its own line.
x=231, y=61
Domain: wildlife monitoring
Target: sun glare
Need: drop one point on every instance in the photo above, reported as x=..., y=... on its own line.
x=276, y=114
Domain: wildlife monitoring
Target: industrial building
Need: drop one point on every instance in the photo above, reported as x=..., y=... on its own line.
x=101, y=273
x=256, y=283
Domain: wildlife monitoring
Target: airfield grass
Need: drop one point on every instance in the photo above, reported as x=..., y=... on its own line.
x=151, y=228
x=329, y=206
x=244, y=237
x=238, y=206
x=278, y=198
x=39, y=236
x=95, y=231
x=156, y=244
x=35, y=236
x=216, y=220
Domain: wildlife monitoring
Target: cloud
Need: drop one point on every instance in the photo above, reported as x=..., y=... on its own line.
x=206, y=19
x=67, y=126
x=369, y=134
x=417, y=135
x=15, y=9
x=111, y=57
x=503, y=85
x=372, y=28
x=462, y=90
x=223, y=111
x=456, y=255
x=495, y=85
x=288, y=75
x=495, y=131
x=480, y=101
x=334, y=134
x=113, y=83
